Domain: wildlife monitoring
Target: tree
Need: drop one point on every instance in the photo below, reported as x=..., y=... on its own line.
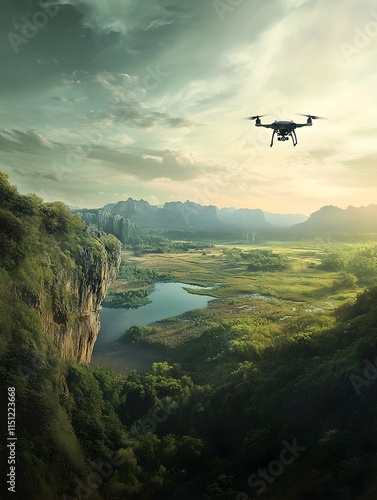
x=57, y=218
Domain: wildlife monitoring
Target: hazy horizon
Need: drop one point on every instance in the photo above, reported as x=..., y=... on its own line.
x=161, y=205
x=102, y=101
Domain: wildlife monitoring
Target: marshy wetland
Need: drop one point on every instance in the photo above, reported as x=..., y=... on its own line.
x=259, y=307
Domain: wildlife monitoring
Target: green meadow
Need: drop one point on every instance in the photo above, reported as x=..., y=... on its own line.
x=300, y=296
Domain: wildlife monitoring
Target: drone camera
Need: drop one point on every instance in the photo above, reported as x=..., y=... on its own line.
x=282, y=128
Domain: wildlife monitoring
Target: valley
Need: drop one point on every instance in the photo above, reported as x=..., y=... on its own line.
x=300, y=293
x=242, y=347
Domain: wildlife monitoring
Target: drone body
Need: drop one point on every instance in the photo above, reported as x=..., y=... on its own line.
x=284, y=128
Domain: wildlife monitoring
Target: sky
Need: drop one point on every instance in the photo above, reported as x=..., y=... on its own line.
x=105, y=100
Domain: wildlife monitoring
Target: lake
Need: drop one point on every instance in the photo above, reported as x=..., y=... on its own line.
x=168, y=299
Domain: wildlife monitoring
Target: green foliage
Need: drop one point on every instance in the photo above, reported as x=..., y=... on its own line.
x=334, y=261
x=12, y=232
x=253, y=337
x=359, y=260
x=150, y=243
x=41, y=261
x=131, y=299
x=135, y=277
x=264, y=260
x=95, y=420
x=364, y=263
x=135, y=333
x=345, y=281
x=255, y=382
x=134, y=274
x=232, y=255
x=57, y=218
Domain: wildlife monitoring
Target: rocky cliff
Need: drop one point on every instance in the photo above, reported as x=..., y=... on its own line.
x=118, y=225
x=73, y=325
x=58, y=267
x=69, y=306
x=54, y=274
x=179, y=215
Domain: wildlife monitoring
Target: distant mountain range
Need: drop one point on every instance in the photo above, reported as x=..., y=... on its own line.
x=126, y=218
x=333, y=220
x=284, y=220
x=122, y=227
x=190, y=215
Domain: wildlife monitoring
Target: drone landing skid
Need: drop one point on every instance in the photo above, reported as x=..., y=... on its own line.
x=284, y=129
x=291, y=134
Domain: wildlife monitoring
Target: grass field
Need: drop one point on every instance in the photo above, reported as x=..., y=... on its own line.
x=284, y=298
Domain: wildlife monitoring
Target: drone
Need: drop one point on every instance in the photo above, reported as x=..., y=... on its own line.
x=284, y=128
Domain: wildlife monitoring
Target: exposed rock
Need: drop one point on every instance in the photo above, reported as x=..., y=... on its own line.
x=183, y=215
x=118, y=225
x=72, y=322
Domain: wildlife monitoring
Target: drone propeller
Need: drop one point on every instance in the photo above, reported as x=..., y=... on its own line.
x=312, y=117
x=256, y=117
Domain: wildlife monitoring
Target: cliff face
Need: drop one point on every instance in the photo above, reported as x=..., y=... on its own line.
x=118, y=225
x=72, y=321
x=54, y=274
x=183, y=215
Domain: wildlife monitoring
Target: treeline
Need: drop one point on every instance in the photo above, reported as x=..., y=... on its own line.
x=41, y=247
x=130, y=299
x=358, y=263
x=150, y=243
x=137, y=275
x=258, y=260
x=141, y=281
x=287, y=413
x=257, y=393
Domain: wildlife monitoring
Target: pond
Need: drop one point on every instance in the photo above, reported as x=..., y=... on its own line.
x=168, y=299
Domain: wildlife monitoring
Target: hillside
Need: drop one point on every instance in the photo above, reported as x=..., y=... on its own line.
x=178, y=215
x=333, y=220
x=54, y=277
x=121, y=227
x=288, y=412
x=192, y=217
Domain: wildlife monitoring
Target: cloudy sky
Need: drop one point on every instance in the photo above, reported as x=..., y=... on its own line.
x=102, y=100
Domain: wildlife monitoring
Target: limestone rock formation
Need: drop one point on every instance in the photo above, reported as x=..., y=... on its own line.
x=118, y=225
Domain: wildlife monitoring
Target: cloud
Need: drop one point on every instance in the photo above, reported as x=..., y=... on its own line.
x=69, y=100
x=112, y=93
x=149, y=165
x=62, y=160
x=126, y=16
x=126, y=98
x=134, y=113
x=37, y=176
x=362, y=164
x=31, y=141
x=354, y=173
